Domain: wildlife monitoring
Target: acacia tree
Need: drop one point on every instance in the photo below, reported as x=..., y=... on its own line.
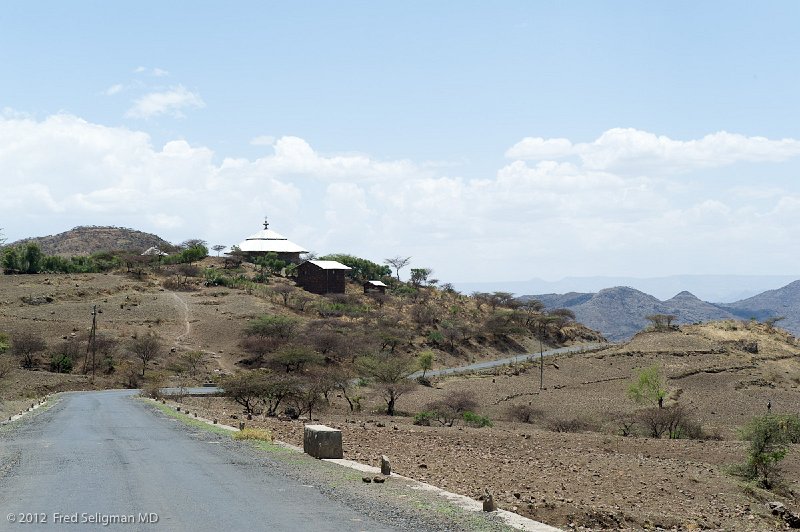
x=246, y=388
x=420, y=276
x=146, y=348
x=398, y=263
x=218, y=248
x=661, y=322
x=390, y=373
x=425, y=361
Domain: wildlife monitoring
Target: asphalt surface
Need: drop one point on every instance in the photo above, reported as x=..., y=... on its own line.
x=107, y=456
x=479, y=366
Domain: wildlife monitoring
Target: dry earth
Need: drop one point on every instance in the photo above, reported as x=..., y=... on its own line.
x=597, y=479
x=594, y=480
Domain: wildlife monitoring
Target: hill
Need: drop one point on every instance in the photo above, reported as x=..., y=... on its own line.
x=784, y=302
x=86, y=240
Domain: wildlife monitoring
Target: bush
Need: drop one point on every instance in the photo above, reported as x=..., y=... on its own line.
x=769, y=438
x=569, y=425
x=61, y=363
x=477, y=421
x=523, y=413
x=424, y=418
x=673, y=421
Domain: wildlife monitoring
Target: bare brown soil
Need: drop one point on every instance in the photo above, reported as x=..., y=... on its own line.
x=594, y=479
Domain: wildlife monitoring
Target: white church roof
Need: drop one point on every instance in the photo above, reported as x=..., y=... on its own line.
x=329, y=265
x=267, y=240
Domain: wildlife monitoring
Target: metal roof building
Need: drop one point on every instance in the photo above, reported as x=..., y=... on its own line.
x=268, y=241
x=322, y=276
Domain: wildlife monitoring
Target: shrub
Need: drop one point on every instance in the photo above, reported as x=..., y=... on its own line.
x=523, y=413
x=673, y=421
x=253, y=434
x=424, y=418
x=477, y=421
x=61, y=363
x=769, y=438
x=569, y=425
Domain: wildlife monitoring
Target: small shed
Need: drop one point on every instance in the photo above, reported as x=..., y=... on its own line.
x=322, y=276
x=372, y=287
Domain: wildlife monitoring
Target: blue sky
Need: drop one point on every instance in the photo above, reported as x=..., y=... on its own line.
x=487, y=140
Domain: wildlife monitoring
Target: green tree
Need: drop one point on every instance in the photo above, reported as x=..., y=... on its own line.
x=390, y=374
x=246, y=388
x=294, y=358
x=218, y=248
x=419, y=276
x=648, y=387
x=270, y=264
x=769, y=438
x=425, y=361
x=360, y=269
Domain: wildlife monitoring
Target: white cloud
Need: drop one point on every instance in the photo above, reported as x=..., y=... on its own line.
x=627, y=149
x=170, y=102
x=539, y=148
x=531, y=218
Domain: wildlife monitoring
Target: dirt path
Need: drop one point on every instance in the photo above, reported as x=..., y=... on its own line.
x=188, y=326
x=183, y=340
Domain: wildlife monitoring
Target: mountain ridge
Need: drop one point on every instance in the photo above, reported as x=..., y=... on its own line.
x=620, y=312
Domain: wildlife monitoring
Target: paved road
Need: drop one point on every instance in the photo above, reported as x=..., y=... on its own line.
x=105, y=453
x=478, y=366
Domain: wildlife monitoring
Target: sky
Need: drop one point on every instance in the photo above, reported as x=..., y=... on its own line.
x=485, y=140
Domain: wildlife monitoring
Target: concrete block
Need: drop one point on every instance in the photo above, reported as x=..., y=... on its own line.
x=320, y=441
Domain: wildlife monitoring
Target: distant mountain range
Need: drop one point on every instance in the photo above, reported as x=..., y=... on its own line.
x=715, y=288
x=620, y=312
x=85, y=240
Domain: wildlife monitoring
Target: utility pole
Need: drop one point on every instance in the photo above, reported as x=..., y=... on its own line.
x=92, y=342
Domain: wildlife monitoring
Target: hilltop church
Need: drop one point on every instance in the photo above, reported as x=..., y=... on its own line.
x=268, y=241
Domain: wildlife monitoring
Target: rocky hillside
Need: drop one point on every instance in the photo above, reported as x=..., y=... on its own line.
x=784, y=302
x=85, y=240
x=619, y=313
